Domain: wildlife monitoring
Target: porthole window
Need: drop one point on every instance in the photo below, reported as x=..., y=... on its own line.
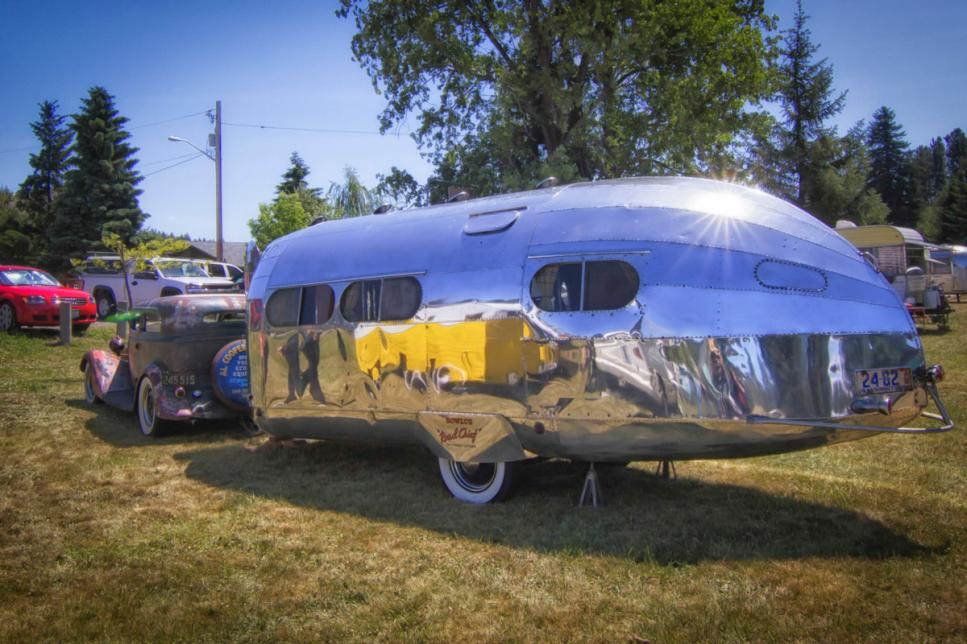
x=283, y=307
x=317, y=304
x=584, y=286
x=384, y=300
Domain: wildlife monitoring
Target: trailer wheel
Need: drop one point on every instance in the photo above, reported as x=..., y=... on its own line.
x=478, y=482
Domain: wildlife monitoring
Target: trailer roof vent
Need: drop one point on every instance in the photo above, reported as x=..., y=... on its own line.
x=383, y=209
x=492, y=222
x=463, y=195
x=549, y=182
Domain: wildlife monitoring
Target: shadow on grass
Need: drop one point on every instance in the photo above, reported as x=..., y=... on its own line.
x=675, y=522
x=120, y=428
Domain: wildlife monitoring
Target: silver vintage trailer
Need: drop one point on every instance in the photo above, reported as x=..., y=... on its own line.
x=638, y=319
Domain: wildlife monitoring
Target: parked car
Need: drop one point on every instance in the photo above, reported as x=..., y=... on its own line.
x=184, y=360
x=103, y=279
x=32, y=297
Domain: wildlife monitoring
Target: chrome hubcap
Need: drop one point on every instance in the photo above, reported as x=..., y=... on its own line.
x=103, y=306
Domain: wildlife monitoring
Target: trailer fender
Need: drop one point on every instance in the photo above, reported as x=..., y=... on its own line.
x=470, y=437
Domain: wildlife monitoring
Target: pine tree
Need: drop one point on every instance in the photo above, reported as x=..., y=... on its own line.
x=807, y=100
x=956, y=151
x=953, y=210
x=99, y=195
x=294, y=179
x=39, y=191
x=890, y=167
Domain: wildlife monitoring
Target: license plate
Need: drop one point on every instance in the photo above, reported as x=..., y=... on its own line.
x=183, y=379
x=75, y=314
x=878, y=381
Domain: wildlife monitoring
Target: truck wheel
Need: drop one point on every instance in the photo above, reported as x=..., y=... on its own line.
x=8, y=317
x=147, y=409
x=478, y=482
x=105, y=303
x=90, y=394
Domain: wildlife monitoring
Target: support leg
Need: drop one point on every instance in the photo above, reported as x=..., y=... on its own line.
x=591, y=493
x=666, y=470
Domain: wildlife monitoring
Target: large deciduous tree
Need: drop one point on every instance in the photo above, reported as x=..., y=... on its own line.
x=506, y=91
x=100, y=193
x=49, y=166
x=890, y=167
x=281, y=217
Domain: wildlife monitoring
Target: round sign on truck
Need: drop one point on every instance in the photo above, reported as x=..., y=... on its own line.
x=230, y=375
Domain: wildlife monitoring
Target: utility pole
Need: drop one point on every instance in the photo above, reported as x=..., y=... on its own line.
x=219, y=251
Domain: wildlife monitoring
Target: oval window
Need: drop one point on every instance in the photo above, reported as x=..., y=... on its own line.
x=391, y=299
x=584, y=286
x=283, y=307
x=788, y=276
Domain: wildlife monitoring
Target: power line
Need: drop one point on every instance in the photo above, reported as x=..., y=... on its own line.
x=175, y=118
x=172, y=165
x=12, y=150
x=177, y=158
x=325, y=130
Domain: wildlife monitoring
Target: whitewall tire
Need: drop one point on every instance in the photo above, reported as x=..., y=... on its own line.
x=147, y=410
x=90, y=394
x=478, y=482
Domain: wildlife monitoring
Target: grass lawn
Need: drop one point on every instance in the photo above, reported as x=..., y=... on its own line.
x=209, y=534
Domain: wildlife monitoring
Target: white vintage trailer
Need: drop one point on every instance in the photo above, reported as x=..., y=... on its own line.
x=638, y=319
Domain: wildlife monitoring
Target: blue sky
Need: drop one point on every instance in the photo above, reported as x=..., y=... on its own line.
x=288, y=63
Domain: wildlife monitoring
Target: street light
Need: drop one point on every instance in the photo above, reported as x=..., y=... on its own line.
x=217, y=158
x=205, y=152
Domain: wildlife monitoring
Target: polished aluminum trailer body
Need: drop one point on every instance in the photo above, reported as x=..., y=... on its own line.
x=745, y=334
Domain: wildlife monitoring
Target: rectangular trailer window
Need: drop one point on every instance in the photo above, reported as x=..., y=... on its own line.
x=283, y=307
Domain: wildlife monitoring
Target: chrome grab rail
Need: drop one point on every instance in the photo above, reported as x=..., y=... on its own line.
x=944, y=416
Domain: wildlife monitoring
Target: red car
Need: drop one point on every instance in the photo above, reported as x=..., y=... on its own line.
x=32, y=297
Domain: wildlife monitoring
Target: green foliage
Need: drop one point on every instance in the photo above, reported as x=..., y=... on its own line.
x=953, y=209
x=40, y=190
x=351, y=198
x=99, y=195
x=281, y=217
x=294, y=183
x=890, y=172
x=400, y=189
x=16, y=231
x=505, y=92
